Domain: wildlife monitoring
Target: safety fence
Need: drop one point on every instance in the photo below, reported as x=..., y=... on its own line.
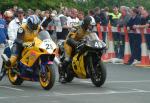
x=110, y=53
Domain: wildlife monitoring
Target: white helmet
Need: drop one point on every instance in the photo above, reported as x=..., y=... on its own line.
x=88, y=23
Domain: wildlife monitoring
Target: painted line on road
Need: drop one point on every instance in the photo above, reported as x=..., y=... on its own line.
x=12, y=88
x=138, y=81
x=78, y=94
x=104, y=93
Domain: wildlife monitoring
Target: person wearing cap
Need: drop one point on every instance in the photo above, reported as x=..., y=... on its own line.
x=15, y=24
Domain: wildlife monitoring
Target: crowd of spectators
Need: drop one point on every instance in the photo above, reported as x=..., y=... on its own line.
x=59, y=22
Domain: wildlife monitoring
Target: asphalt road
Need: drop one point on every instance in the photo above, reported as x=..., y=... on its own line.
x=124, y=84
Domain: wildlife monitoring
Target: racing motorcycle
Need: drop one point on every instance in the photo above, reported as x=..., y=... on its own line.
x=35, y=63
x=86, y=61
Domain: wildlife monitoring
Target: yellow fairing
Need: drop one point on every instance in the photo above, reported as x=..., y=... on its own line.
x=30, y=55
x=78, y=66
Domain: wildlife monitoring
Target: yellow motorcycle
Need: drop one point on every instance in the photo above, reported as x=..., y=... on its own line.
x=35, y=64
x=86, y=62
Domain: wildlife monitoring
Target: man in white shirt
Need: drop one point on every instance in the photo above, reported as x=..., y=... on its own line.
x=15, y=24
x=73, y=20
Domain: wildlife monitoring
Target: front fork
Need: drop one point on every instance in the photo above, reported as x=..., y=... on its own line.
x=43, y=66
x=92, y=65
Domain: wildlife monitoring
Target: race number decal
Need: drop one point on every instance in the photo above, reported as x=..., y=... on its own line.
x=49, y=45
x=96, y=44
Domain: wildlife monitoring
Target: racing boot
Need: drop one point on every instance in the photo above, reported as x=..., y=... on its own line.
x=62, y=69
x=61, y=74
x=9, y=62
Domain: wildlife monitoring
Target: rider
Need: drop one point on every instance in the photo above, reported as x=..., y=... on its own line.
x=72, y=40
x=26, y=33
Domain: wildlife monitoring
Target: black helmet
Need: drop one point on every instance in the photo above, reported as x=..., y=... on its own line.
x=88, y=21
x=33, y=22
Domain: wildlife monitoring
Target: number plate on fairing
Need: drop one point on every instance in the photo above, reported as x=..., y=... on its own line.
x=49, y=45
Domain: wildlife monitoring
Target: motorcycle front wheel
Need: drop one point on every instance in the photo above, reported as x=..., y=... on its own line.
x=47, y=79
x=98, y=72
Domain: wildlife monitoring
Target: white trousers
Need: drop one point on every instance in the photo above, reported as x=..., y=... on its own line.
x=2, y=47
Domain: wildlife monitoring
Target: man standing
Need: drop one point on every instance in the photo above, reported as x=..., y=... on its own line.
x=3, y=39
x=114, y=18
x=15, y=24
x=125, y=17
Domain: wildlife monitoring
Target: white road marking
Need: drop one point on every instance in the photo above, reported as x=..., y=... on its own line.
x=104, y=93
x=11, y=88
x=138, y=81
x=79, y=94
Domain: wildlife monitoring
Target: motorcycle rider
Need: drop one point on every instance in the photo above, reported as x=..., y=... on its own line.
x=26, y=33
x=72, y=41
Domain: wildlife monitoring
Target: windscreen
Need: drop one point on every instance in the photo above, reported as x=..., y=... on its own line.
x=44, y=35
x=91, y=37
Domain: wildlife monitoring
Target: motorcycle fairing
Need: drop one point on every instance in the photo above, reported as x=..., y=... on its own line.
x=78, y=66
x=31, y=55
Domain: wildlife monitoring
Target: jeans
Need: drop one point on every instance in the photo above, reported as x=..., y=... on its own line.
x=147, y=38
x=135, y=45
x=2, y=47
x=104, y=34
x=119, y=42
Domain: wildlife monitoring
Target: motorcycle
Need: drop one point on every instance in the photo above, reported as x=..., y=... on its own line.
x=35, y=63
x=86, y=61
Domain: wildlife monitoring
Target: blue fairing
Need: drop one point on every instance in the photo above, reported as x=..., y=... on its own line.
x=28, y=72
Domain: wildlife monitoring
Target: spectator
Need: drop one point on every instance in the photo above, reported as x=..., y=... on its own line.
x=47, y=19
x=63, y=30
x=81, y=17
x=134, y=38
x=15, y=24
x=114, y=18
x=29, y=12
x=125, y=16
x=145, y=23
x=97, y=15
x=54, y=26
x=74, y=17
x=91, y=13
x=3, y=40
x=103, y=22
x=122, y=22
x=8, y=16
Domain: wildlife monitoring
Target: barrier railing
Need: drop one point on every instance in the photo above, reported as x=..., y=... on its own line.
x=145, y=59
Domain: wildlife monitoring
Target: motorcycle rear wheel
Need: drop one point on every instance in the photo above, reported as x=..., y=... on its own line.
x=68, y=74
x=14, y=77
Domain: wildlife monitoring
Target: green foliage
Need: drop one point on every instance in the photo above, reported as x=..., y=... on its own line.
x=47, y=4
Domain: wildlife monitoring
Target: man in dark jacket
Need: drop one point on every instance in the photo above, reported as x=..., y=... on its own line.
x=134, y=38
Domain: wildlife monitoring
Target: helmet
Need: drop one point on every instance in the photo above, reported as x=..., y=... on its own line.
x=88, y=22
x=33, y=22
